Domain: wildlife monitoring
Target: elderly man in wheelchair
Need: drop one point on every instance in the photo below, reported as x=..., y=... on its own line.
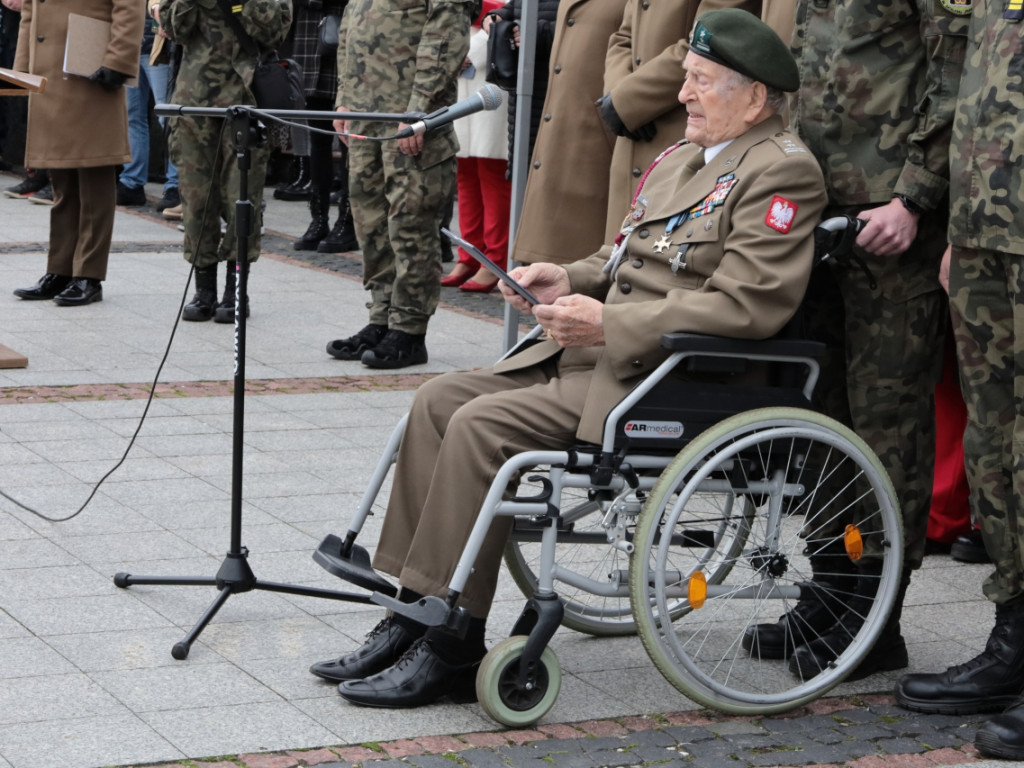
x=718, y=241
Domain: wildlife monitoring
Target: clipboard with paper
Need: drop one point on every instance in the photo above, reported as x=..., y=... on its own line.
x=87, y=43
x=491, y=267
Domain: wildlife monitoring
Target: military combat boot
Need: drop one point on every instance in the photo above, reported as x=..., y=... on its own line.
x=889, y=651
x=225, y=311
x=319, y=225
x=203, y=303
x=990, y=682
x=822, y=601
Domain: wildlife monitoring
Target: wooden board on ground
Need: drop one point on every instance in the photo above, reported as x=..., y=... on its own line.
x=11, y=359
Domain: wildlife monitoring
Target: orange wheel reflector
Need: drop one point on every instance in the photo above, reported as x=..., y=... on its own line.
x=853, y=542
x=697, y=590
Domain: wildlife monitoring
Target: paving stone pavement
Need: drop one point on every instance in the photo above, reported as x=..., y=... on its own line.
x=86, y=676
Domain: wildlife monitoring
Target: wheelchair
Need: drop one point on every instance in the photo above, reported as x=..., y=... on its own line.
x=693, y=520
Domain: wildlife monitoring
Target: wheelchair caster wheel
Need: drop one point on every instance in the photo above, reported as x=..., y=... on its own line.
x=498, y=691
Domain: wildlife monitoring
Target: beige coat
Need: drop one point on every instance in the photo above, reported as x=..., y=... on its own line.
x=566, y=189
x=743, y=278
x=75, y=123
x=644, y=73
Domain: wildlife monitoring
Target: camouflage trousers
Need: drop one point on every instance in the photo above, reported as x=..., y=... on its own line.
x=397, y=208
x=880, y=380
x=208, y=181
x=986, y=296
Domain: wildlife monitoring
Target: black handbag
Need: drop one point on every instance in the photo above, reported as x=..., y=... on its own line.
x=327, y=35
x=276, y=83
x=502, y=56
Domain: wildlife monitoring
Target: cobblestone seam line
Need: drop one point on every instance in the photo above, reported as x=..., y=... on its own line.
x=856, y=732
x=295, y=386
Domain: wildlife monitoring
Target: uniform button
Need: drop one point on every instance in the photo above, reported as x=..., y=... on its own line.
x=570, y=22
x=638, y=263
x=536, y=163
x=637, y=364
x=636, y=173
x=638, y=60
x=547, y=117
x=558, y=68
x=40, y=38
x=645, y=5
x=643, y=233
x=625, y=287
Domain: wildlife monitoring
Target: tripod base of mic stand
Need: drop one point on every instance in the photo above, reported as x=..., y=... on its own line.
x=234, y=576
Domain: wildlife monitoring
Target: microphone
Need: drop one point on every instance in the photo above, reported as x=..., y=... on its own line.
x=487, y=98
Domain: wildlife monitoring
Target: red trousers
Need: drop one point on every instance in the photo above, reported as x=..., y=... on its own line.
x=950, y=513
x=485, y=201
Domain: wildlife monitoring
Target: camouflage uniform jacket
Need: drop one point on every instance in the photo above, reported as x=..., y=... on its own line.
x=404, y=56
x=877, y=94
x=215, y=70
x=988, y=134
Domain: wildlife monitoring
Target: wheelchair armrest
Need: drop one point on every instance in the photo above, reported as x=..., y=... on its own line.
x=699, y=343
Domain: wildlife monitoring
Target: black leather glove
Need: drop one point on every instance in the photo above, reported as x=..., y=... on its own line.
x=616, y=126
x=108, y=79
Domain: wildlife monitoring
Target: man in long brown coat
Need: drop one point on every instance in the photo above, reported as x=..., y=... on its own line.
x=565, y=201
x=723, y=248
x=78, y=129
x=642, y=75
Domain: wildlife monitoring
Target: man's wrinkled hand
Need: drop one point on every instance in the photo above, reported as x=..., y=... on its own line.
x=573, y=321
x=108, y=79
x=547, y=282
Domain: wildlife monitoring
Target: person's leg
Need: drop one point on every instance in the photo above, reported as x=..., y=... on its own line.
x=158, y=77
x=136, y=172
x=987, y=306
x=496, y=191
x=98, y=200
x=470, y=220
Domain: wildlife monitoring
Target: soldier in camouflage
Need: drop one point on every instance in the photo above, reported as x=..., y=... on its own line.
x=216, y=71
x=986, y=283
x=875, y=105
x=399, y=56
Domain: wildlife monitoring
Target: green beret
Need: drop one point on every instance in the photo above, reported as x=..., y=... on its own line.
x=740, y=41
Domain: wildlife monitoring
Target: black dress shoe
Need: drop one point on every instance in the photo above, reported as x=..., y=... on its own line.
x=970, y=548
x=81, y=290
x=49, y=285
x=383, y=647
x=419, y=677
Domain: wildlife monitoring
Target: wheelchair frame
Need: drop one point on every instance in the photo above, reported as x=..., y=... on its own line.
x=702, y=553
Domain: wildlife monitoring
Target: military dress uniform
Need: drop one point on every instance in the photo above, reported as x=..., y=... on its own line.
x=875, y=106
x=723, y=249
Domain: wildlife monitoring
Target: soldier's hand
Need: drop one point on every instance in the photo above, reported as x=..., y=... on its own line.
x=947, y=255
x=889, y=231
x=341, y=126
x=411, y=145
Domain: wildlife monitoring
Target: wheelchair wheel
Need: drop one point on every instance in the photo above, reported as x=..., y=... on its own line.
x=586, y=552
x=498, y=690
x=809, y=480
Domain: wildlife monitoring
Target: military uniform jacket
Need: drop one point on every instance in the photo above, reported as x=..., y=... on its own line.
x=878, y=80
x=75, y=123
x=643, y=73
x=749, y=248
x=404, y=56
x=215, y=70
x=988, y=137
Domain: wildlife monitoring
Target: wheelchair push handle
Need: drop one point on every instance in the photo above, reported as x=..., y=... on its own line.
x=834, y=239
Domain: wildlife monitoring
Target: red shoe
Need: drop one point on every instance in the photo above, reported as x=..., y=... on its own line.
x=456, y=277
x=473, y=286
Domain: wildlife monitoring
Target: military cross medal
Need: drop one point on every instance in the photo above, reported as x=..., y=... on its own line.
x=660, y=246
x=678, y=261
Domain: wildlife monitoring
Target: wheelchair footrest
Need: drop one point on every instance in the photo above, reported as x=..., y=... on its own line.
x=353, y=567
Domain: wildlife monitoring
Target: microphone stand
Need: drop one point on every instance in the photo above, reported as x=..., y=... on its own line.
x=235, y=576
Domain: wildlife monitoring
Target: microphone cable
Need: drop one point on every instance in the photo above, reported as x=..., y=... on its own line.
x=156, y=378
